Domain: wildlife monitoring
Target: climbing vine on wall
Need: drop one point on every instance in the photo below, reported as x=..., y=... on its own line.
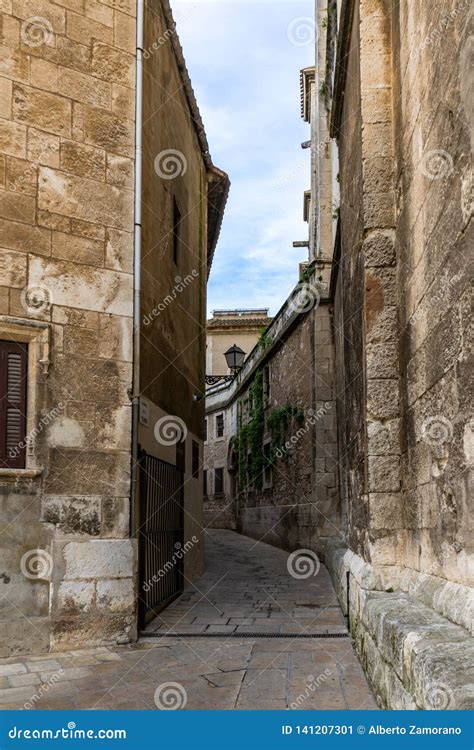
x=278, y=423
x=248, y=444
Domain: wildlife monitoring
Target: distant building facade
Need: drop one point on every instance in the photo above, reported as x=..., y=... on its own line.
x=229, y=327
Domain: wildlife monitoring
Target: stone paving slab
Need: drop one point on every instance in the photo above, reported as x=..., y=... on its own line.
x=251, y=587
x=247, y=589
x=216, y=674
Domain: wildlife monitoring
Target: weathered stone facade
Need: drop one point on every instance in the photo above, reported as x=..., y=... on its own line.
x=66, y=205
x=401, y=314
x=289, y=498
x=68, y=552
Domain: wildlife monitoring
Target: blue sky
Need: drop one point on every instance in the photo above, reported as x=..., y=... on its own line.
x=245, y=73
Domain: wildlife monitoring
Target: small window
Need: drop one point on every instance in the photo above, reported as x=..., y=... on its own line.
x=219, y=481
x=195, y=460
x=13, y=382
x=176, y=231
x=181, y=454
x=204, y=482
x=219, y=426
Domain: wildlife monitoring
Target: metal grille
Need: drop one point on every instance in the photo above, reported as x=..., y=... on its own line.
x=160, y=535
x=147, y=634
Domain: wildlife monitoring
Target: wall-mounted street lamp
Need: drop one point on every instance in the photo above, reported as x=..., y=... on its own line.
x=235, y=359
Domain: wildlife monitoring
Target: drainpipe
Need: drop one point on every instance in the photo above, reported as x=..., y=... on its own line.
x=137, y=257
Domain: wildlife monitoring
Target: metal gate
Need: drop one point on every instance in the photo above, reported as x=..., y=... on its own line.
x=160, y=535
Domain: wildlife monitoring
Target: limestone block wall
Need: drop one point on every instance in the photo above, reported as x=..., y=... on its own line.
x=66, y=222
x=434, y=139
x=298, y=507
x=404, y=129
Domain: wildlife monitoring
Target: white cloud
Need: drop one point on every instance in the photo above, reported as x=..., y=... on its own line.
x=245, y=74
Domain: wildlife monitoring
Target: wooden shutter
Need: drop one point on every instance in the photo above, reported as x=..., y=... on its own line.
x=13, y=375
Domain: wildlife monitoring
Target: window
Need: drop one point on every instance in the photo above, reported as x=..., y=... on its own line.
x=176, y=231
x=181, y=454
x=195, y=460
x=13, y=382
x=205, y=430
x=219, y=426
x=219, y=481
x=204, y=482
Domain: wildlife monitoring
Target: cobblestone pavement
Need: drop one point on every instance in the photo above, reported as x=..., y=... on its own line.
x=245, y=586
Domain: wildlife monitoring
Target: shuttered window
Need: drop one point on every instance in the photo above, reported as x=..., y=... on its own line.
x=13, y=374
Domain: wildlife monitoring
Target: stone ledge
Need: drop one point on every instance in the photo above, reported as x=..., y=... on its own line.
x=453, y=601
x=414, y=657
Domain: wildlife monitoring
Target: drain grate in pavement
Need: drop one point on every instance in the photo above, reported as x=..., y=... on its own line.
x=146, y=634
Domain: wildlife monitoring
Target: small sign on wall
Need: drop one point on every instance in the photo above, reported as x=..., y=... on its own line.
x=144, y=412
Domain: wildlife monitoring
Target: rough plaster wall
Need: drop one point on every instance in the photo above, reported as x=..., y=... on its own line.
x=433, y=66
x=66, y=221
x=173, y=344
x=173, y=294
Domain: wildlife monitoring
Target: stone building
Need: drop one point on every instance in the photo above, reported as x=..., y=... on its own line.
x=402, y=118
x=110, y=209
x=384, y=491
x=277, y=486
x=229, y=327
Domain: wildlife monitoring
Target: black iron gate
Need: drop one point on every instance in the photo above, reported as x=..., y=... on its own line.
x=160, y=535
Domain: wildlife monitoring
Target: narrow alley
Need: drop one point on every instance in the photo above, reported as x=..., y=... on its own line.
x=260, y=630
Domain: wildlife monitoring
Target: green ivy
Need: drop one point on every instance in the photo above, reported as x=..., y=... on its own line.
x=248, y=442
x=278, y=423
x=307, y=273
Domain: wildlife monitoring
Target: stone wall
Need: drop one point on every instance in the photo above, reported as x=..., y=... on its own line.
x=296, y=503
x=172, y=347
x=404, y=129
x=433, y=162
x=66, y=222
